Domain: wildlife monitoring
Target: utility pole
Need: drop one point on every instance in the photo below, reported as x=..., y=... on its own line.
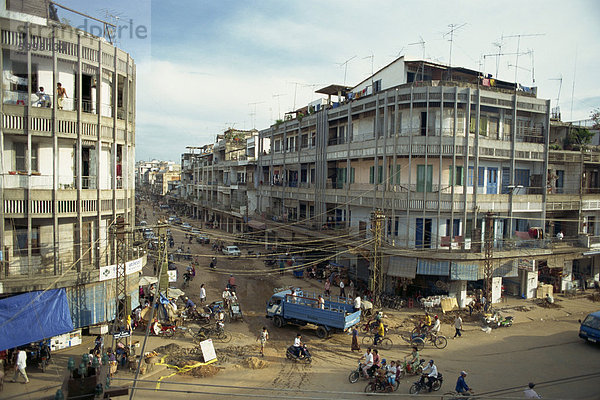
x=122, y=305
x=488, y=268
x=376, y=281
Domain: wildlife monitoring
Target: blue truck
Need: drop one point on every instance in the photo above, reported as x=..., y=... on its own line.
x=301, y=309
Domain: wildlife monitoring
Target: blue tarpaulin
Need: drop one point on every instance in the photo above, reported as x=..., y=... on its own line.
x=464, y=271
x=33, y=316
x=433, y=267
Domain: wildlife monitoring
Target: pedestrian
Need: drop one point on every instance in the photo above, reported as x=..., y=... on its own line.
x=351, y=290
x=202, y=294
x=327, y=286
x=470, y=309
x=21, y=365
x=357, y=302
x=530, y=393
x=457, y=326
x=263, y=337
x=342, y=291
x=355, y=345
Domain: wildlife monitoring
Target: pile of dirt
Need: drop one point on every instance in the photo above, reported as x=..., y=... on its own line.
x=180, y=356
x=255, y=363
x=236, y=354
x=168, y=349
x=522, y=308
x=544, y=304
x=203, y=371
x=594, y=296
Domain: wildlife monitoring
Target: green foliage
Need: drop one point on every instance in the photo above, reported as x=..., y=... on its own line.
x=578, y=137
x=595, y=116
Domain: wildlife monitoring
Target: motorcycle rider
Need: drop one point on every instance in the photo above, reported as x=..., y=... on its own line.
x=413, y=359
x=368, y=356
x=432, y=375
x=461, y=385
x=189, y=304
x=376, y=362
x=391, y=373
x=298, y=346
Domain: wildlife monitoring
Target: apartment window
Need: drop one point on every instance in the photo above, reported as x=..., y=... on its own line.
x=522, y=177
x=481, y=177
x=313, y=139
x=277, y=145
x=21, y=241
x=424, y=178
x=458, y=177
x=455, y=227
x=470, y=176
x=304, y=141
x=396, y=226
x=460, y=120
x=483, y=125
x=21, y=156
x=394, y=175
x=379, y=174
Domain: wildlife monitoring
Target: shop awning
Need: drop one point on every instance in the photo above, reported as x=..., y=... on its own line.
x=433, y=267
x=256, y=224
x=464, y=271
x=402, y=267
x=33, y=316
x=147, y=280
x=506, y=269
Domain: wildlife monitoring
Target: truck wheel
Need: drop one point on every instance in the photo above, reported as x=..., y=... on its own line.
x=322, y=332
x=277, y=321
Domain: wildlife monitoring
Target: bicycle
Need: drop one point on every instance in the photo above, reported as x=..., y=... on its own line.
x=454, y=395
x=439, y=341
x=217, y=334
x=385, y=342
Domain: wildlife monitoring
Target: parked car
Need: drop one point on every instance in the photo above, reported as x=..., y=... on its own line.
x=202, y=239
x=231, y=251
x=196, y=231
x=186, y=226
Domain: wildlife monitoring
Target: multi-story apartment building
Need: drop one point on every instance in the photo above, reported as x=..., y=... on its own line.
x=436, y=149
x=67, y=159
x=165, y=179
x=218, y=180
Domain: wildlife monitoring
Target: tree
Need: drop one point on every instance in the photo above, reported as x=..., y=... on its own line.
x=577, y=138
x=595, y=116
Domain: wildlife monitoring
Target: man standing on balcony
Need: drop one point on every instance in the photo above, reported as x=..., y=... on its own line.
x=61, y=93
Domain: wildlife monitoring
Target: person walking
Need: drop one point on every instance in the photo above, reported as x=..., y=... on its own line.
x=458, y=326
x=61, y=93
x=263, y=337
x=202, y=294
x=21, y=365
x=355, y=345
x=529, y=393
x=342, y=291
x=327, y=286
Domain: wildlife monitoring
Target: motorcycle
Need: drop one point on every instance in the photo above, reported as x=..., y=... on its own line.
x=358, y=373
x=497, y=321
x=297, y=355
x=379, y=384
x=39, y=356
x=187, y=278
x=407, y=369
x=421, y=385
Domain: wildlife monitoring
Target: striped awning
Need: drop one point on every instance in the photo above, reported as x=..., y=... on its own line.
x=464, y=271
x=402, y=267
x=433, y=267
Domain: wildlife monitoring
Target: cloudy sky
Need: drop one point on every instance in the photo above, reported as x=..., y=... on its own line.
x=206, y=65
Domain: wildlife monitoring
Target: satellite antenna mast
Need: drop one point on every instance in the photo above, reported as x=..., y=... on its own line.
x=499, y=45
x=453, y=28
x=345, y=65
x=278, y=105
x=422, y=44
x=573, y=89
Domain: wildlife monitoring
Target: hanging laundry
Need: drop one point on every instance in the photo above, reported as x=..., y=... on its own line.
x=486, y=82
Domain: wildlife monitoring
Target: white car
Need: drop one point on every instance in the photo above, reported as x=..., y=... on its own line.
x=186, y=226
x=231, y=251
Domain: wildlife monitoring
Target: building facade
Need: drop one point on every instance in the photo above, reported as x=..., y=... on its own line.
x=67, y=163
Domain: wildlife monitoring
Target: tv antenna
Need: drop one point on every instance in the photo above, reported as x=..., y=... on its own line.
x=556, y=110
x=519, y=36
x=278, y=104
x=532, y=70
x=422, y=44
x=345, y=65
x=453, y=28
x=253, y=113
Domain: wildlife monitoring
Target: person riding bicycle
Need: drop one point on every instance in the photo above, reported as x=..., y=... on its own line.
x=435, y=329
x=380, y=333
x=461, y=385
x=426, y=323
x=432, y=375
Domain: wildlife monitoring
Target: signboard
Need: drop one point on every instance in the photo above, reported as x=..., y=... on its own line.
x=527, y=264
x=172, y=275
x=208, y=350
x=110, y=271
x=121, y=334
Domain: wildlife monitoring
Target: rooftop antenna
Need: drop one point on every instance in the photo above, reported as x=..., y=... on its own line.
x=573, y=89
x=556, y=110
x=499, y=45
x=422, y=44
x=453, y=28
x=372, y=57
x=519, y=36
x=345, y=65
x=278, y=105
x=253, y=113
